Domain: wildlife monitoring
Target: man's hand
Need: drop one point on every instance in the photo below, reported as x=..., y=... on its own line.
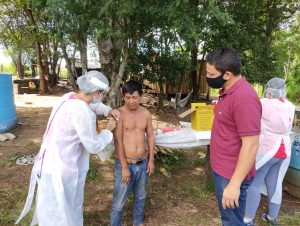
x=231, y=196
x=115, y=114
x=150, y=167
x=125, y=175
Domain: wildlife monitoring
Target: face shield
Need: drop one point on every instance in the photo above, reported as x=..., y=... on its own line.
x=103, y=94
x=103, y=88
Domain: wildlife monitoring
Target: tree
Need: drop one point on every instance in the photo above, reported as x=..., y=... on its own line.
x=71, y=26
x=288, y=54
x=158, y=60
x=251, y=32
x=118, y=25
x=12, y=27
x=193, y=19
x=30, y=28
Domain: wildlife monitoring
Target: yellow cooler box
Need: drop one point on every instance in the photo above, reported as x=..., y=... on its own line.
x=202, y=116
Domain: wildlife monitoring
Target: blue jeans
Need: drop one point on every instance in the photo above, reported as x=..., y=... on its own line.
x=137, y=184
x=231, y=217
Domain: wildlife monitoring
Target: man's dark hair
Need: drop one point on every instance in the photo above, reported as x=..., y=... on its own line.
x=225, y=59
x=132, y=86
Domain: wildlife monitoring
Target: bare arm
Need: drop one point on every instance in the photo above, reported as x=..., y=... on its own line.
x=150, y=137
x=245, y=162
x=151, y=144
x=118, y=139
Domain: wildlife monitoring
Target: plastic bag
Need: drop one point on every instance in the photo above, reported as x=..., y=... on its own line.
x=184, y=138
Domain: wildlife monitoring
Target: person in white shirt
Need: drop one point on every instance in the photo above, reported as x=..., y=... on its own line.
x=62, y=163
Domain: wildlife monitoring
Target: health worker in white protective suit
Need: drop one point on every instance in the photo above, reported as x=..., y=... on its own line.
x=274, y=153
x=62, y=163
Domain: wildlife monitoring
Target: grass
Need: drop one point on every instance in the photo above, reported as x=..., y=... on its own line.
x=33, y=146
x=196, y=219
x=202, y=191
x=11, y=206
x=199, y=162
x=92, y=173
x=283, y=219
x=12, y=200
x=30, y=147
x=291, y=220
x=173, y=162
x=11, y=160
x=197, y=192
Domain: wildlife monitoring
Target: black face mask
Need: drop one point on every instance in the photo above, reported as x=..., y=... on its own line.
x=216, y=82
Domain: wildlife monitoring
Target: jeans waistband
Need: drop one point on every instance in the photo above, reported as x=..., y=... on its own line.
x=136, y=161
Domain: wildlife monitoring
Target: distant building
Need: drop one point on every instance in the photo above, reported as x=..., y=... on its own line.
x=92, y=65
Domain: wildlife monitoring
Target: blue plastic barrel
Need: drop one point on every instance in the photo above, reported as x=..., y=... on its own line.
x=8, y=117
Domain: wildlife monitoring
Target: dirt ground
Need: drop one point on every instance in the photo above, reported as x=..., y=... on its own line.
x=181, y=199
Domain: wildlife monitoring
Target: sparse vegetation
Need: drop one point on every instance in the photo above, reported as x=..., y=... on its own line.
x=172, y=162
x=92, y=173
x=10, y=200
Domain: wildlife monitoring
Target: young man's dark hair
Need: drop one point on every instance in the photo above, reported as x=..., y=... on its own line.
x=132, y=86
x=225, y=59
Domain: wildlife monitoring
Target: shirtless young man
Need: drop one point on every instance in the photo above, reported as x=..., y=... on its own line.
x=134, y=162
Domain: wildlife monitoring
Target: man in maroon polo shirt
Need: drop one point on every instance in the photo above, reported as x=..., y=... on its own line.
x=235, y=133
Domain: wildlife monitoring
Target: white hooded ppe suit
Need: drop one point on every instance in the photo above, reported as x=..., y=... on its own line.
x=62, y=163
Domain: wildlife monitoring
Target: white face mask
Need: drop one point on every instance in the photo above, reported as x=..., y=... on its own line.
x=96, y=100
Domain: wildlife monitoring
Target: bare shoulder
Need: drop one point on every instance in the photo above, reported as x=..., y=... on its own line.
x=122, y=110
x=145, y=111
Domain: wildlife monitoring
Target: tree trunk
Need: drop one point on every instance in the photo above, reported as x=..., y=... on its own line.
x=33, y=72
x=58, y=66
x=71, y=75
x=83, y=51
x=20, y=67
x=113, y=59
x=106, y=53
x=53, y=73
x=194, y=53
x=115, y=93
x=179, y=90
x=161, y=93
x=41, y=71
x=38, y=50
x=45, y=61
